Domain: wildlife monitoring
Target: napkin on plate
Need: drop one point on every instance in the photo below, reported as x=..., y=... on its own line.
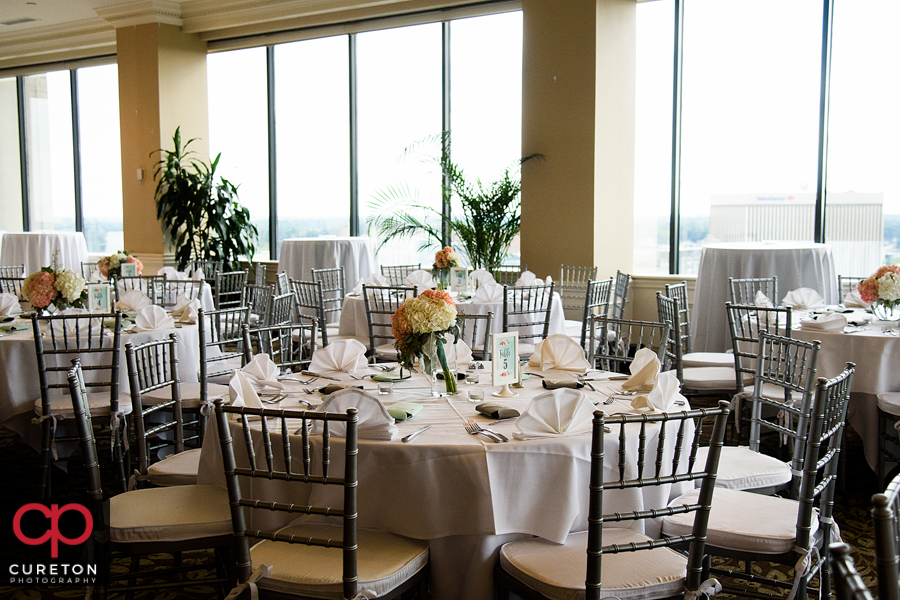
x=133, y=300
x=528, y=278
x=375, y=423
x=420, y=278
x=663, y=396
x=762, y=301
x=479, y=277
x=171, y=273
x=489, y=292
x=261, y=371
x=854, y=300
x=496, y=411
x=559, y=351
x=340, y=356
x=562, y=412
x=153, y=317
x=374, y=279
x=9, y=305
x=402, y=411
x=644, y=371
x=804, y=299
x=241, y=391
x=826, y=322
x=185, y=310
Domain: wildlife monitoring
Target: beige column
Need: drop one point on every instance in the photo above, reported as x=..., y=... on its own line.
x=162, y=85
x=578, y=92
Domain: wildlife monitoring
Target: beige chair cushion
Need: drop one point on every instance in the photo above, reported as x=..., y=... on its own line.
x=889, y=402
x=743, y=521
x=384, y=561
x=190, y=394
x=558, y=571
x=708, y=359
x=740, y=468
x=712, y=378
x=165, y=514
x=98, y=405
x=175, y=469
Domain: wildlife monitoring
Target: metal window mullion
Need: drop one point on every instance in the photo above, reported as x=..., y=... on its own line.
x=273, y=155
x=23, y=153
x=824, y=102
x=675, y=214
x=354, y=140
x=76, y=150
x=446, y=208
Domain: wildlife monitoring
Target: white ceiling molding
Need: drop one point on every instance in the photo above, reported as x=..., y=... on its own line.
x=141, y=12
x=90, y=33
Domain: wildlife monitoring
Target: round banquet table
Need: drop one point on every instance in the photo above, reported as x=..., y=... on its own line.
x=354, y=323
x=298, y=256
x=36, y=249
x=464, y=494
x=796, y=264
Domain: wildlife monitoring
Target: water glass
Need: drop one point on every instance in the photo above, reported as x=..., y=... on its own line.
x=385, y=387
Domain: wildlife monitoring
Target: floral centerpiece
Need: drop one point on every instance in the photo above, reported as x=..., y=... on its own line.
x=112, y=264
x=443, y=260
x=882, y=291
x=419, y=327
x=51, y=285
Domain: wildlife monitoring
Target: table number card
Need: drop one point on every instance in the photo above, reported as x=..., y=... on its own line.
x=459, y=279
x=128, y=269
x=98, y=297
x=505, y=358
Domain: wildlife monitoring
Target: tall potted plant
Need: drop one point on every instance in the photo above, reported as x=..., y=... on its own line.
x=203, y=217
x=490, y=216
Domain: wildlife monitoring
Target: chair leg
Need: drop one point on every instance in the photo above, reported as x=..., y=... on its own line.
x=879, y=470
x=46, y=442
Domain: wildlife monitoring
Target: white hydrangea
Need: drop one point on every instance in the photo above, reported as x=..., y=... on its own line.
x=425, y=316
x=70, y=284
x=454, y=259
x=889, y=287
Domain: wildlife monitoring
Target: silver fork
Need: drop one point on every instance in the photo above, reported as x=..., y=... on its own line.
x=472, y=429
x=274, y=400
x=478, y=427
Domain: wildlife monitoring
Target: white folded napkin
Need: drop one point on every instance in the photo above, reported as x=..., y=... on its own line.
x=420, y=278
x=340, y=356
x=804, y=299
x=762, y=301
x=489, y=292
x=133, y=300
x=479, y=277
x=560, y=412
x=644, y=371
x=463, y=353
x=81, y=325
x=153, y=317
x=172, y=274
x=96, y=277
x=241, y=391
x=261, y=371
x=854, y=300
x=185, y=309
x=559, y=351
x=528, y=278
x=374, y=421
x=663, y=396
x=197, y=275
x=374, y=279
x=9, y=305
x=826, y=322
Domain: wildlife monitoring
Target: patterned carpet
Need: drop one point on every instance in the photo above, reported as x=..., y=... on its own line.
x=20, y=467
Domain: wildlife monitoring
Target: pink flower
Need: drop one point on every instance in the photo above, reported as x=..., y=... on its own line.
x=39, y=289
x=140, y=265
x=442, y=257
x=438, y=296
x=103, y=266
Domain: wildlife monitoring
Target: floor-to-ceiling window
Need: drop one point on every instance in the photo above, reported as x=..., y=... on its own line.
x=10, y=171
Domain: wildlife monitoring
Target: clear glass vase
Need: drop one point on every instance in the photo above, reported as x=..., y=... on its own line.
x=886, y=310
x=443, y=376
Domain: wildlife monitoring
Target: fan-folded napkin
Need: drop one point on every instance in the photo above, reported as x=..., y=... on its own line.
x=185, y=310
x=463, y=353
x=489, y=292
x=644, y=371
x=826, y=322
x=374, y=421
x=153, y=317
x=171, y=273
x=804, y=299
x=133, y=300
x=9, y=305
x=528, y=278
x=261, y=371
x=762, y=301
x=81, y=326
x=374, y=279
x=420, y=278
x=340, y=356
x=479, y=277
x=854, y=300
x=561, y=412
x=197, y=275
x=241, y=391
x=560, y=352
x=663, y=396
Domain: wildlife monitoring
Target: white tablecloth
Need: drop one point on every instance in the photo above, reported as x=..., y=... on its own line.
x=36, y=249
x=875, y=354
x=354, y=323
x=467, y=496
x=299, y=256
x=796, y=264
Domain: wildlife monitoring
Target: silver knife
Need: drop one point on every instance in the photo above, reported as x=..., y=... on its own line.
x=412, y=436
x=311, y=374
